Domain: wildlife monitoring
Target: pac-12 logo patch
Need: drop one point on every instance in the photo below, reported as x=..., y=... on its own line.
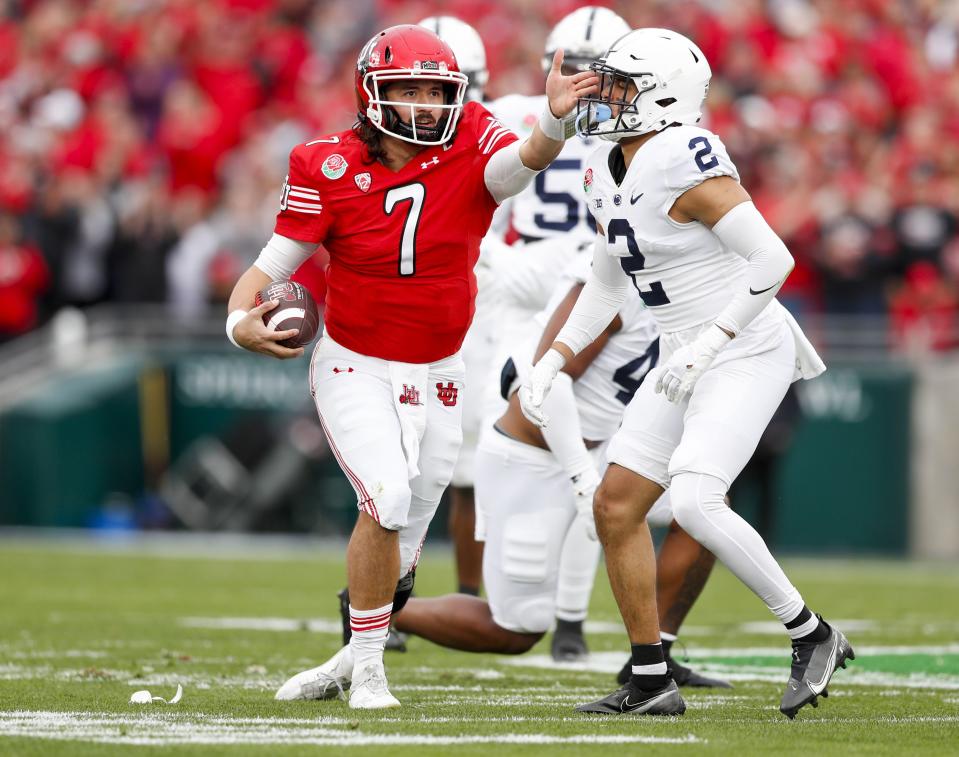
x=587, y=180
x=447, y=394
x=334, y=166
x=363, y=181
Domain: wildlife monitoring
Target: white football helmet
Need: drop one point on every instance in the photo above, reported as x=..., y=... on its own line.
x=585, y=34
x=467, y=46
x=671, y=76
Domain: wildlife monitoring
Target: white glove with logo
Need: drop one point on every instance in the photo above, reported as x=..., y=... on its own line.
x=534, y=390
x=680, y=373
x=584, y=487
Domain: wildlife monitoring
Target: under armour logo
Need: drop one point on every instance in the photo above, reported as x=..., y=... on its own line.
x=410, y=396
x=429, y=163
x=342, y=370
x=447, y=394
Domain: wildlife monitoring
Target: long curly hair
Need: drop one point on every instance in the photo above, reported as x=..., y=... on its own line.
x=372, y=139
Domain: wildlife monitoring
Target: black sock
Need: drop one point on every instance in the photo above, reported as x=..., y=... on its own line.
x=813, y=633
x=667, y=646
x=569, y=626
x=649, y=667
x=473, y=591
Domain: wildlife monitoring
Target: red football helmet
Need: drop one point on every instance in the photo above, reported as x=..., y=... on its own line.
x=409, y=52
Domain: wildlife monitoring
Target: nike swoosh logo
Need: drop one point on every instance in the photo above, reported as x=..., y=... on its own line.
x=821, y=683
x=753, y=291
x=627, y=706
x=634, y=200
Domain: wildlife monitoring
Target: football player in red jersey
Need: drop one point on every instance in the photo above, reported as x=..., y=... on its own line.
x=401, y=203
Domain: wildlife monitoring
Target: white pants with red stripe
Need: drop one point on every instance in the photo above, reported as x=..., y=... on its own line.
x=395, y=429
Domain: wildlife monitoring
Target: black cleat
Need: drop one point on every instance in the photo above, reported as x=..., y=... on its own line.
x=814, y=664
x=396, y=641
x=344, y=598
x=631, y=700
x=681, y=674
x=568, y=644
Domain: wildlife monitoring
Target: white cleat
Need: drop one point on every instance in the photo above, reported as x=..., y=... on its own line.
x=328, y=681
x=370, y=691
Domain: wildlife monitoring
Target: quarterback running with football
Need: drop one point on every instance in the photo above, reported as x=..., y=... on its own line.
x=401, y=203
x=675, y=224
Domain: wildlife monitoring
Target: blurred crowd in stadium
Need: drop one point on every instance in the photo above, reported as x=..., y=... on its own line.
x=143, y=142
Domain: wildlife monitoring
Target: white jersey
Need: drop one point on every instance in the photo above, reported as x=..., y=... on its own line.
x=683, y=272
x=553, y=203
x=609, y=383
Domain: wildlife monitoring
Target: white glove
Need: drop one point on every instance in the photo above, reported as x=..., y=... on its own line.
x=537, y=386
x=679, y=375
x=584, y=487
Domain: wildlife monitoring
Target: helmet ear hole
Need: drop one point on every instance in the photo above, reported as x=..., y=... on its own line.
x=666, y=102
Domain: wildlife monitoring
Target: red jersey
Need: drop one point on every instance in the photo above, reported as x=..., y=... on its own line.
x=402, y=244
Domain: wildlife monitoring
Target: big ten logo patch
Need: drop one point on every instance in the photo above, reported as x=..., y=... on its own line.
x=447, y=394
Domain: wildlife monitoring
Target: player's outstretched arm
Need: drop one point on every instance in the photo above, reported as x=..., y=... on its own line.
x=244, y=325
x=597, y=305
x=562, y=92
x=511, y=169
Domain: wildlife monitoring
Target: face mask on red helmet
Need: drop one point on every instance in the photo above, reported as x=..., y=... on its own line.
x=409, y=53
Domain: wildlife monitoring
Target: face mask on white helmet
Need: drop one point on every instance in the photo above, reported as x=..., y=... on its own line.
x=467, y=46
x=585, y=34
x=649, y=79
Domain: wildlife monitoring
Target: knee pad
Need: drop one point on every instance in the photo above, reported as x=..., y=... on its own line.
x=693, y=494
x=389, y=505
x=525, y=614
x=404, y=589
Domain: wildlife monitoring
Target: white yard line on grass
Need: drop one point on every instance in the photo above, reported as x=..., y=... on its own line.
x=611, y=662
x=601, y=627
x=152, y=730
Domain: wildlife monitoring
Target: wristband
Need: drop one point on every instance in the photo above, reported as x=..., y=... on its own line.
x=554, y=128
x=231, y=320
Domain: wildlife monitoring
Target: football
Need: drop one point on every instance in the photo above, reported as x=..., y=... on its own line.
x=296, y=310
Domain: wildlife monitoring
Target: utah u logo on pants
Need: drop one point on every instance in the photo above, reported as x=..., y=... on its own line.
x=410, y=396
x=447, y=394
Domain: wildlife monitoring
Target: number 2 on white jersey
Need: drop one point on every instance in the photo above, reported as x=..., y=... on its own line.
x=415, y=193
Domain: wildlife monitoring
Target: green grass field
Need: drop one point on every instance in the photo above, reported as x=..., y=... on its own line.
x=82, y=628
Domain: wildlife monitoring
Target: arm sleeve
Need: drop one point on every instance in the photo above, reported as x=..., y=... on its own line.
x=505, y=173
x=563, y=433
x=744, y=231
x=598, y=303
x=302, y=215
x=282, y=256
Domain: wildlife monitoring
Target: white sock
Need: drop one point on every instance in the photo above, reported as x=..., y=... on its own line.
x=369, y=631
x=577, y=571
x=699, y=507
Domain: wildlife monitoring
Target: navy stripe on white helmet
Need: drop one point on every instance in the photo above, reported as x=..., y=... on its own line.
x=649, y=79
x=585, y=34
x=467, y=46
